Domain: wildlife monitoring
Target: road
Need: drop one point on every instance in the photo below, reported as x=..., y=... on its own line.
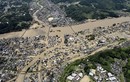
x=35, y=14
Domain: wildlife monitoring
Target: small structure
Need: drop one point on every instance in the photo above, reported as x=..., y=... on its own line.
x=70, y=78
x=50, y=19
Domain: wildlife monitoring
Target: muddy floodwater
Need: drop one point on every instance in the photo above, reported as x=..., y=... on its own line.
x=91, y=25
x=66, y=29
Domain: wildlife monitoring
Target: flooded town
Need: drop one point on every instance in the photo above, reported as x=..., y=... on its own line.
x=54, y=41
x=37, y=58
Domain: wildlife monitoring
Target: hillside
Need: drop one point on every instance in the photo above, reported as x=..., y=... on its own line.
x=119, y=57
x=14, y=15
x=94, y=9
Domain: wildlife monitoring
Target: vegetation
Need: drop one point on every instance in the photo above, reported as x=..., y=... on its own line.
x=68, y=70
x=127, y=71
x=14, y=15
x=110, y=55
x=94, y=9
x=105, y=58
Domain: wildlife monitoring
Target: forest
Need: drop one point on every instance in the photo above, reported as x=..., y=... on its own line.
x=94, y=9
x=14, y=15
